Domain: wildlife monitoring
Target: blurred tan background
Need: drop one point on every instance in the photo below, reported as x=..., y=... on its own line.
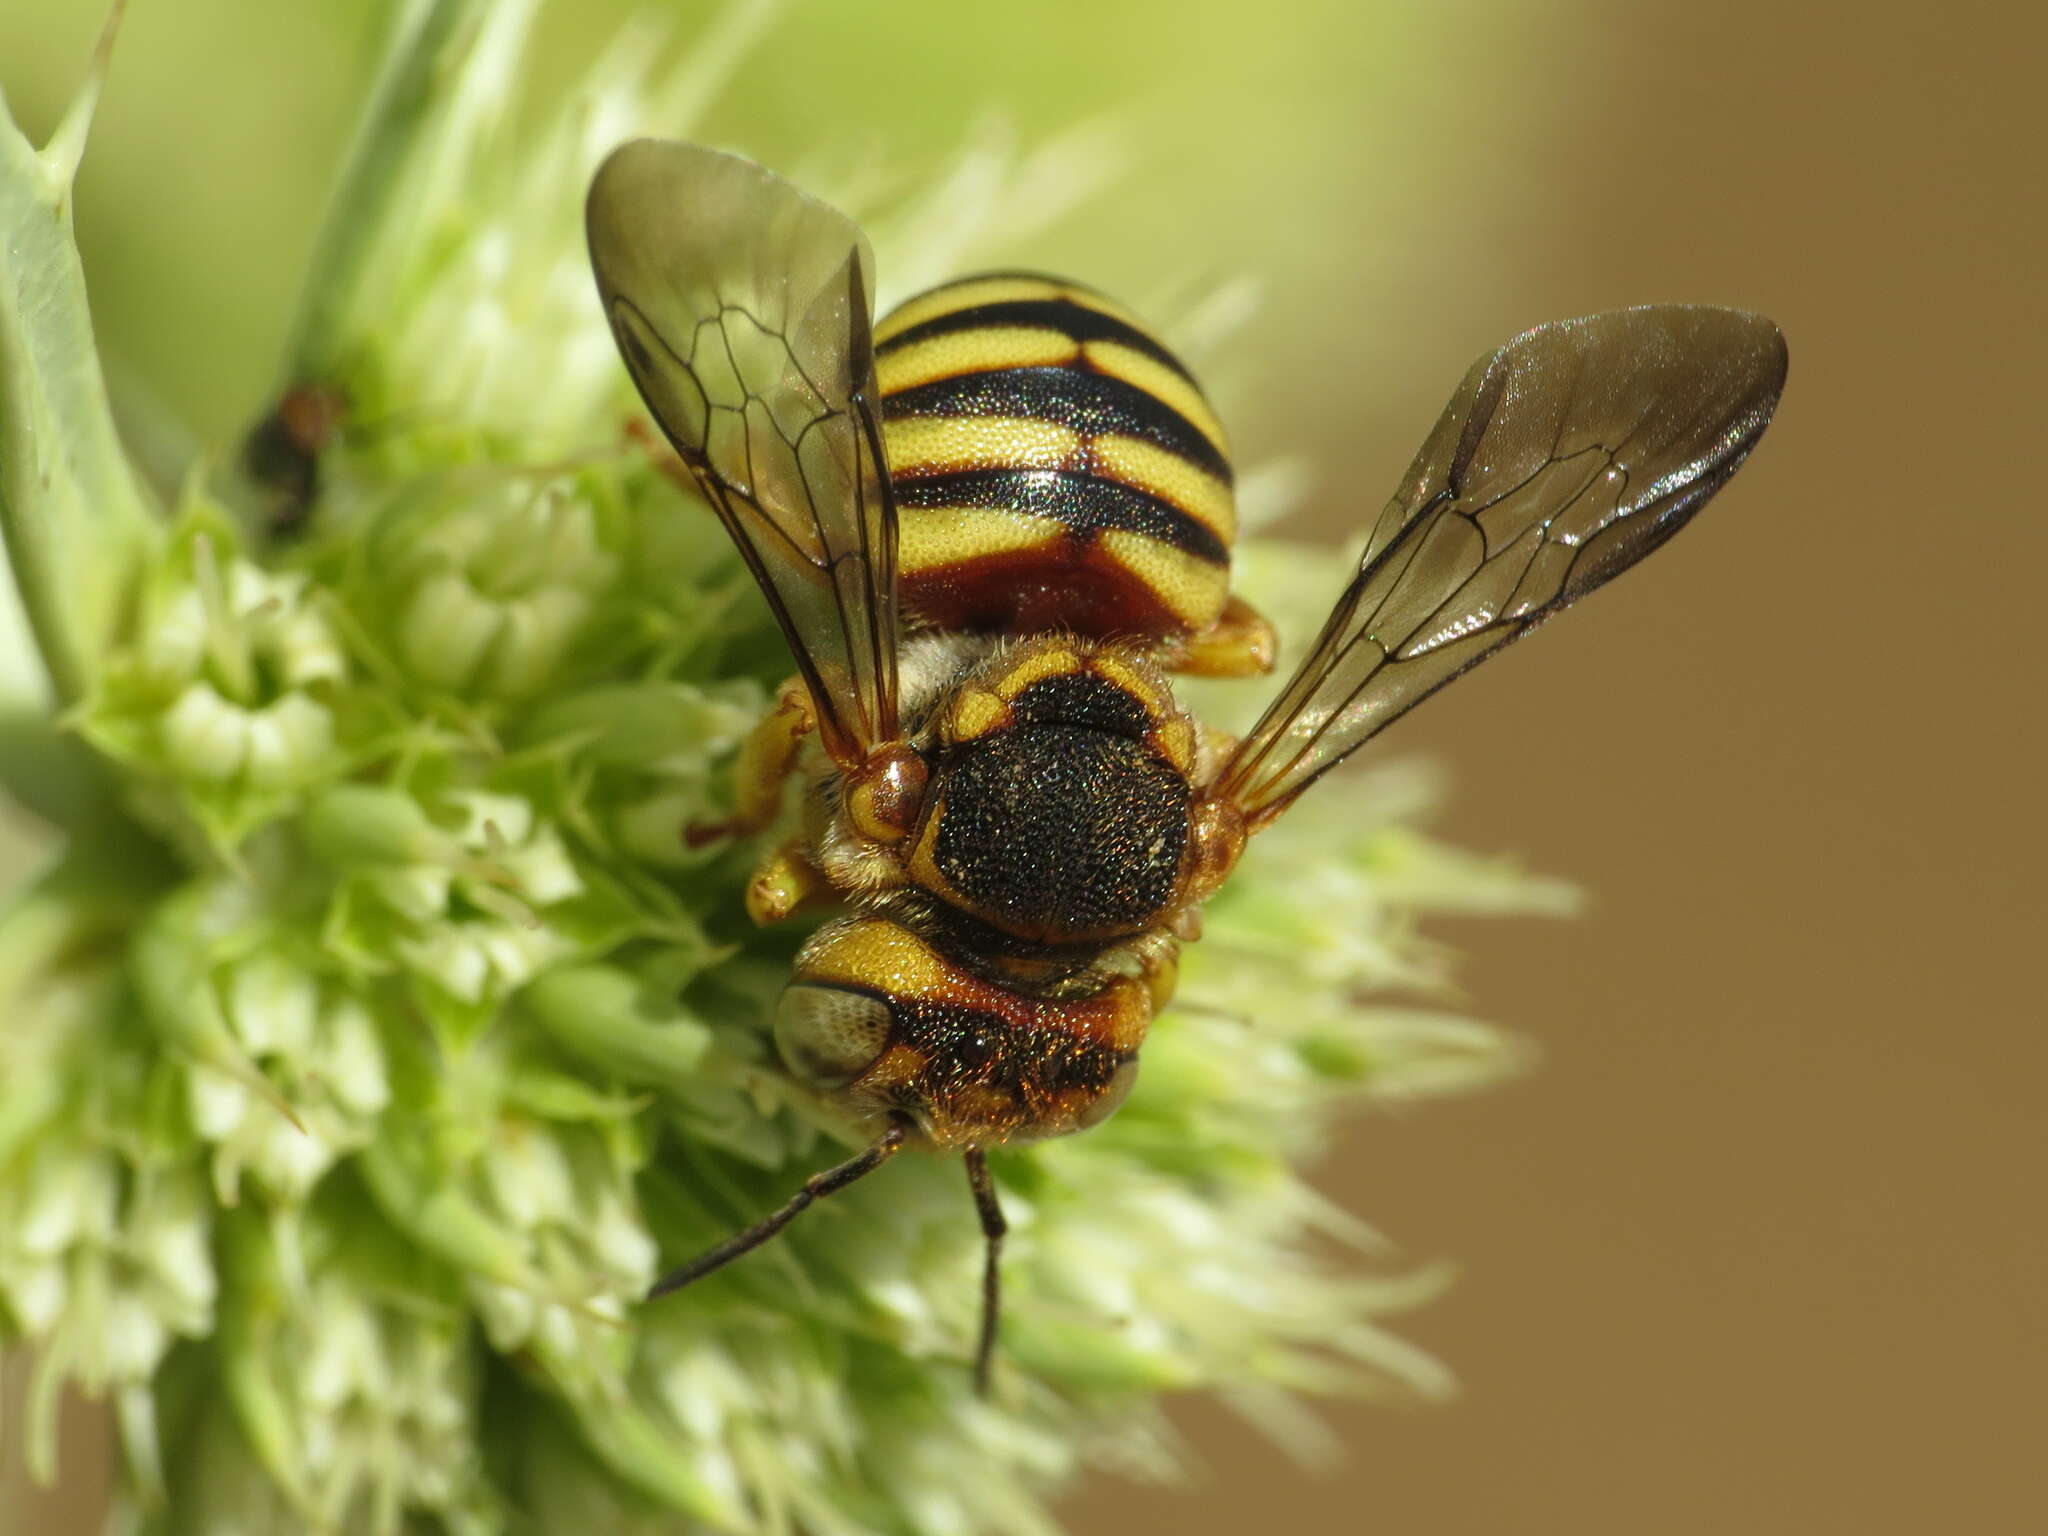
x=1761, y=1246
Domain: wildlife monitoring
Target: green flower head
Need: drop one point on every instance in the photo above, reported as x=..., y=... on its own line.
x=373, y=1037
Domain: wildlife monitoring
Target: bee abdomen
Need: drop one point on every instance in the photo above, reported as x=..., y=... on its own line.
x=1055, y=466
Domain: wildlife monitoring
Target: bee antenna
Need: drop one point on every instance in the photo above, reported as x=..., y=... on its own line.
x=816, y=1187
x=992, y=1227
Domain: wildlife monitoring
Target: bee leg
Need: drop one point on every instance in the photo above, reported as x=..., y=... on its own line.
x=765, y=761
x=992, y=1227
x=784, y=883
x=648, y=441
x=1239, y=644
x=816, y=1188
x=1159, y=959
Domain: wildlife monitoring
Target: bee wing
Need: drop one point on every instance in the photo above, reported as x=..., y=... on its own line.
x=742, y=308
x=1565, y=457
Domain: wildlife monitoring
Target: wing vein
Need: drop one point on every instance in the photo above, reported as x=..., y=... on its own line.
x=773, y=414
x=1681, y=394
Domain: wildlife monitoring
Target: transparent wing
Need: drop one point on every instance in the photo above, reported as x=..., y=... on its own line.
x=743, y=310
x=1565, y=457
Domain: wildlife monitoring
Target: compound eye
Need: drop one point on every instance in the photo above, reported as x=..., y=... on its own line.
x=1111, y=1099
x=828, y=1036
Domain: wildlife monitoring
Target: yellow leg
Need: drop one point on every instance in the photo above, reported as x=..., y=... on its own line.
x=1239, y=644
x=784, y=883
x=765, y=761
x=1160, y=967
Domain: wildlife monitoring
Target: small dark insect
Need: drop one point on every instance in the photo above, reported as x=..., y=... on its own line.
x=990, y=526
x=282, y=452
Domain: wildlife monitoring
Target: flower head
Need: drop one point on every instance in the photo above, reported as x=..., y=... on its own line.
x=376, y=1034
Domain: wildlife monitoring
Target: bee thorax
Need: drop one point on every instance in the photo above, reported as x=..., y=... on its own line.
x=1058, y=809
x=1060, y=829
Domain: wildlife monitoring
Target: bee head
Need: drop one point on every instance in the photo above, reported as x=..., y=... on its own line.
x=879, y=1016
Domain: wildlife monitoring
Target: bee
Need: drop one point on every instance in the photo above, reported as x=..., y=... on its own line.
x=282, y=452
x=990, y=527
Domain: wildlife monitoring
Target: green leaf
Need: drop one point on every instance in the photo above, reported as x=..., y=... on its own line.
x=75, y=520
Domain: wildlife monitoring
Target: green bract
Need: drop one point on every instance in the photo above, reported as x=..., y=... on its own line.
x=373, y=1036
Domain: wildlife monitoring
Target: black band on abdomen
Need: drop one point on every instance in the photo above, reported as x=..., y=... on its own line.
x=1092, y=404
x=1073, y=320
x=1083, y=503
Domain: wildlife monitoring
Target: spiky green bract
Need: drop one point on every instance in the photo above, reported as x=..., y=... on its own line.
x=374, y=1039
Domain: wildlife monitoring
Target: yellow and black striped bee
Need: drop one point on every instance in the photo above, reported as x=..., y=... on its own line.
x=990, y=527
x=1056, y=469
